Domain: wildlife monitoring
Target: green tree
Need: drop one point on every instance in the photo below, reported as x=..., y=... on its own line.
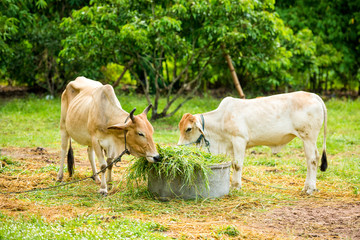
x=31, y=41
x=312, y=61
x=15, y=18
x=336, y=28
x=172, y=44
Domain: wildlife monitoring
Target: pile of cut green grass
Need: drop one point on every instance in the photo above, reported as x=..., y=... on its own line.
x=176, y=161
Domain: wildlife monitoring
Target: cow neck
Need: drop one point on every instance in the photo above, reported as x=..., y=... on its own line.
x=211, y=125
x=126, y=150
x=202, y=136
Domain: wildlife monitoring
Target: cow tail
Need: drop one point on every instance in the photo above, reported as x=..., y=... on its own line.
x=70, y=160
x=324, y=163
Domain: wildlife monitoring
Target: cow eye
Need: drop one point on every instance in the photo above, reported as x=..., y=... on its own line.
x=141, y=134
x=188, y=129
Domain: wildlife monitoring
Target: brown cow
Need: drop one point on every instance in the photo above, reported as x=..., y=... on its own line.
x=92, y=116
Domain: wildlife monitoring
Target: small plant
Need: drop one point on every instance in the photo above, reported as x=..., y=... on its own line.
x=158, y=227
x=5, y=163
x=183, y=161
x=356, y=190
x=4, y=160
x=230, y=230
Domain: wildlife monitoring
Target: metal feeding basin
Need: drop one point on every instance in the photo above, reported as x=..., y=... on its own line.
x=218, y=184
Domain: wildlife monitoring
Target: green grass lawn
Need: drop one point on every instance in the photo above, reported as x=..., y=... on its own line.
x=92, y=227
x=34, y=122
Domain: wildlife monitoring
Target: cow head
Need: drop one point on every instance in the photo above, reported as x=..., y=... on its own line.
x=139, y=136
x=190, y=129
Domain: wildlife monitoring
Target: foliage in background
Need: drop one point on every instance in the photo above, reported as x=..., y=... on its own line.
x=176, y=47
x=30, y=42
x=15, y=20
x=335, y=33
x=111, y=73
x=172, y=45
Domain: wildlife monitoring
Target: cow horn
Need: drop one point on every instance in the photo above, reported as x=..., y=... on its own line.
x=132, y=115
x=147, y=109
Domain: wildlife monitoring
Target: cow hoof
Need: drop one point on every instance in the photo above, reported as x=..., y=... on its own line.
x=309, y=191
x=109, y=185
x=236, y=186
x=103, y=192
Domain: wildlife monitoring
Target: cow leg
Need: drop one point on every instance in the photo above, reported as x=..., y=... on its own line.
x=91, y=156
x=239, y=147
x=109, y=173
x=65, y=138
x=312, y=156
x=103, y=165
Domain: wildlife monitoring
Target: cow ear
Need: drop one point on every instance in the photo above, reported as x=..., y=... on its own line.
x=120, y=126
x=198, y=125
x=146, y=110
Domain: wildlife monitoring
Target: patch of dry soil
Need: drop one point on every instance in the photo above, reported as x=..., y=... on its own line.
x=332, y=220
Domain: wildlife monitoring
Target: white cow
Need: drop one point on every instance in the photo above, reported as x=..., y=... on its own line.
x=273, y=121
x=92, y=116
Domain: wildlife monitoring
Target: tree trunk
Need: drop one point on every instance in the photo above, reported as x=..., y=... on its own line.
x=320, y=80
x=10, y=82
x=326, y=81
x=234, y=76
x=313, y=82
x=123, y=73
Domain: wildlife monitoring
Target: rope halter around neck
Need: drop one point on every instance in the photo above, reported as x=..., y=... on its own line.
x=202, y=136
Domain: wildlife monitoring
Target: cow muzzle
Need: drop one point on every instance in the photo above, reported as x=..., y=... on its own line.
x=154, y=159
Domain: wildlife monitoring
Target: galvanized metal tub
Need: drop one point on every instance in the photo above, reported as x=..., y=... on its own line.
x=219, y=185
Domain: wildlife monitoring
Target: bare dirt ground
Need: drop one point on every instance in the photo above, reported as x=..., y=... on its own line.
x=320, y=218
